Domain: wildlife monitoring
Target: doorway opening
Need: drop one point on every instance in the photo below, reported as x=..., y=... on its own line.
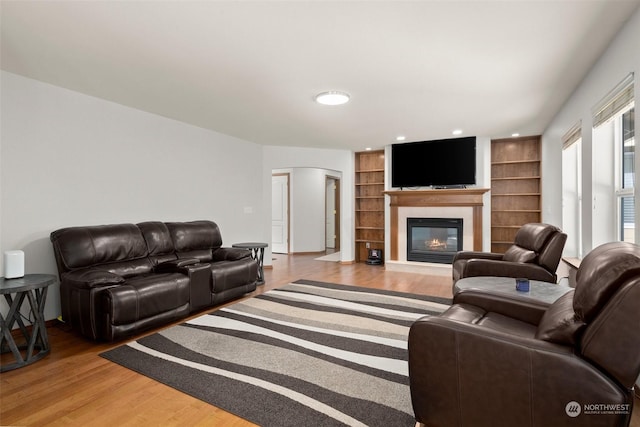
x=280, y=224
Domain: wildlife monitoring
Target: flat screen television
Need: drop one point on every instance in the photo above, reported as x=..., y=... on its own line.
x=438, y=163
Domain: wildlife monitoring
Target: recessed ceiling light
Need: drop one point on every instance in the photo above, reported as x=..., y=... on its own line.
x=400, y=138
x=457, y=132
x=368, y=149
x=515, y=135
x=332, y=98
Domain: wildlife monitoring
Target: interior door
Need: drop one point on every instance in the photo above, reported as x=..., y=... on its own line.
x=280, y=213
x=332, y=213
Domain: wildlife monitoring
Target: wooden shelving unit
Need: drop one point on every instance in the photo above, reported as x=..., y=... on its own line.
x=515, y=188
x=369, y=202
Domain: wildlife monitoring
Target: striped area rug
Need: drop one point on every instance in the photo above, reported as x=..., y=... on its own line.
x=309, y=353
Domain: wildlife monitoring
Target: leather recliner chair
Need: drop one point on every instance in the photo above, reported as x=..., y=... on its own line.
x=485, y=362
x=535, y=255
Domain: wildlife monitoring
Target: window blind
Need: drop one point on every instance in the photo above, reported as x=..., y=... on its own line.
x=572, y=135
x=619, y=98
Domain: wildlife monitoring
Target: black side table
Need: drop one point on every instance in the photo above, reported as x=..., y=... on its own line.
x=257, y=253
x=33, y=287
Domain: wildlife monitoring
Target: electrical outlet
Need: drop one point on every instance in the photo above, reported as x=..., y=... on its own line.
x=368, y=245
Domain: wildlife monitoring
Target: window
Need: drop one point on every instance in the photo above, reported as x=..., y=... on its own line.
x=626, y=175
x=572, y=190
x=613, y=172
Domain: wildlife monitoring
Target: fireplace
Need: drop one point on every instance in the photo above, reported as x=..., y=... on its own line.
x=433, y=239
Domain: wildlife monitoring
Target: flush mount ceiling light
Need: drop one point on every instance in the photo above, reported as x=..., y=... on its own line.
x=332, y=98
x=457, y=132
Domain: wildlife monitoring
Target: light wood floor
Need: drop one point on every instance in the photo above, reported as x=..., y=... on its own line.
x=73, y=386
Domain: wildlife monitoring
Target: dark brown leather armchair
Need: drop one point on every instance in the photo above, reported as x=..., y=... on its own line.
x=489, y=362
x=535, y=255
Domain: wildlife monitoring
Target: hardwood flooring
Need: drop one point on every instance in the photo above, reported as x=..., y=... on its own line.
x=74, y=386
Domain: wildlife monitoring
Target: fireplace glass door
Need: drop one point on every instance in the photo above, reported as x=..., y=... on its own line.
x=433, y=239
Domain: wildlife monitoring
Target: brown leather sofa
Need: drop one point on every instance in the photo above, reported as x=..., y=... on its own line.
x=118, y=280
x=485, y=362
x=535, y=255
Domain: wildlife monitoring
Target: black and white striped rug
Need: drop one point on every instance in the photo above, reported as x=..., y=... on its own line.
x=309, y=353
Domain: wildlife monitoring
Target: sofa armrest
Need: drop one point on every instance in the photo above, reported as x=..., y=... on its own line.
x=79, y=294
x=514, y=306
x=230, y=254
x=477, y=255
x=174, y=265
x=486, y=267
x=89, y=279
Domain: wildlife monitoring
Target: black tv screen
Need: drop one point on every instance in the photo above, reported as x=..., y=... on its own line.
x=441, y=163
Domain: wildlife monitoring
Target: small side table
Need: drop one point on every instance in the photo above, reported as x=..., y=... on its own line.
x=257, y=253
x=33, y=287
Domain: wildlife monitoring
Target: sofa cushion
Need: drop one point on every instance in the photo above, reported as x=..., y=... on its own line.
x=534, y=236
x=559, y=323
x=79, y=247
x=159, y=242
x=157, y=236
x=195, y=235
x=143, y=297
x=230, y=274
x=518, y=254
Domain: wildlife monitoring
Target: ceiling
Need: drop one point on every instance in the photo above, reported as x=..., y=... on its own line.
x=251, y=69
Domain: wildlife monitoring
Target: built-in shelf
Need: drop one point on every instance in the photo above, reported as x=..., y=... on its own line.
x=515, y=188
x=513, y=178
x=373, y=169
x=515, y=210
x=369, y=202
x=514, y=162
x=515, y=194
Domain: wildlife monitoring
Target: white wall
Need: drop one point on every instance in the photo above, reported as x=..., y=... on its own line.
x=620, y=58
x=340, y=161
x=69, y=159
